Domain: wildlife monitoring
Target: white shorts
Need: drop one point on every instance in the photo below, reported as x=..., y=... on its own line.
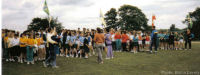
x=41, y=46
x=181, y=40
x=140, y=42
x=90, y=43
x=147, y=42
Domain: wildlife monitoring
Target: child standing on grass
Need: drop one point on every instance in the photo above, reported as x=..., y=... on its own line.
x=147, y=41
x=109, y=44
x=39, y=42
x=81, y=39
x=171, y=41
x=176, y=40
x=67, y=42
x=181, y=42
x=135, y=43
x=125, y=38
x=30, y=43
x=166, y=41
x=15, y=46
x=162, y=40
x=10, y=49
x=118, y=41
x=6, y=46
x=140, y=41
x=86, y=45
x=131, y=41
x=73, y=46
x=144, y=41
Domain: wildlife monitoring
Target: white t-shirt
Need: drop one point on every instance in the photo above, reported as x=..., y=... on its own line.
x=113, y=37
x=15, y=42
x=131, y=37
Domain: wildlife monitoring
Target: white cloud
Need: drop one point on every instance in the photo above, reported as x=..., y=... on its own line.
x=85, y=13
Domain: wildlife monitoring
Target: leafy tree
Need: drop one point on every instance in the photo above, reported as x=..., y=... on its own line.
x=43, y=23
x=131, y=18
x=195, y=15
x=172, y=27
x=111, y=18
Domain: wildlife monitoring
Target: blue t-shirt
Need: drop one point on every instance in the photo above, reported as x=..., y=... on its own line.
x=153, y=33
x=108, y=41
x=166, y=36
x=81, y=39
x=72, y=39
x=67, y=39
x=135, y=39
x=161, y=35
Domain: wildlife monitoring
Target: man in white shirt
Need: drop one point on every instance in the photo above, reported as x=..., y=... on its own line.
x=15, y=46
x=50, y=50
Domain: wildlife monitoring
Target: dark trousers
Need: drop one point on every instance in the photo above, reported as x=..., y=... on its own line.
x=188, y=42
x=52, y=56
x=113, y=45
x=153, y=43
x=124, y=46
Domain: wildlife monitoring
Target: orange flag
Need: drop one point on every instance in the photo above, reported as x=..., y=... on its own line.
x=153, y=18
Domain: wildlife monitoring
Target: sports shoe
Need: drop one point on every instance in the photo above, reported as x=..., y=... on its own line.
x=13, y=60
x=18, y=60
x=107, y=58
x=67, y=56
x=10, y=59
x=32, y=62
x=21, y=61
x=44, y=64
x=28, y=62
x=112, y=57
x=93, y=53
x=151, y=52
x=86, y=57
x=55, y=66
x=25, y=60
x=90, y=54
x=7, y=60
x=77, y=56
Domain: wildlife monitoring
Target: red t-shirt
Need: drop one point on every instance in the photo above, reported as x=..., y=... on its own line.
x=147, y=38
x=117, y=36
x=124, y=38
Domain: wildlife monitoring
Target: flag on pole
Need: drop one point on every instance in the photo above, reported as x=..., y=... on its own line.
x=45, y=8
x=153, y=18
x=190, y=21
x=102, y=18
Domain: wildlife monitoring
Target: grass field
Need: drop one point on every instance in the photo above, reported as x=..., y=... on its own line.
x=164, y=62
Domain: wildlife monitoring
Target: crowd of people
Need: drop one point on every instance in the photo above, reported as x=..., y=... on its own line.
x=45, y=45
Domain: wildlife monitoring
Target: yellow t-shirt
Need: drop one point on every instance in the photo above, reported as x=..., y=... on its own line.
x=30, y=41
x=23, y=40
x=39, y=41
x=6, y=39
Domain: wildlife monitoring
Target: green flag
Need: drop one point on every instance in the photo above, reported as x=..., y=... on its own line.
x=45, y=8
x=190, y=21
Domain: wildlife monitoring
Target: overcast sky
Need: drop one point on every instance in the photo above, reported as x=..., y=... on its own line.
x=17, y=14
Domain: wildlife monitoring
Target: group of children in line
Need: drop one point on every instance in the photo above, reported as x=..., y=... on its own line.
x=31, y=46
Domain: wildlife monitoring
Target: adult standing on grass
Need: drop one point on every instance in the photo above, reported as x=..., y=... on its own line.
x=50, y=44
x=153, y=39
x=188, y=39
x=99, y=40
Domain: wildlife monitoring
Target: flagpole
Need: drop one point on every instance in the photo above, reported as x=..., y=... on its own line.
x=49, y=17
